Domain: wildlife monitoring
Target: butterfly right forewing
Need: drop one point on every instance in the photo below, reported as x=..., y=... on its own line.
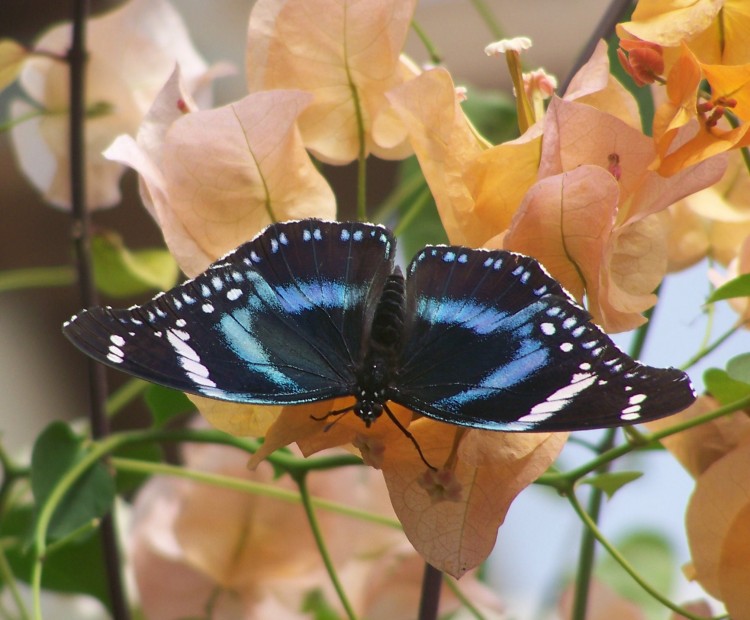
x=492, y=341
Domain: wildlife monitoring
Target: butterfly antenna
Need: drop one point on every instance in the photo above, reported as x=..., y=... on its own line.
x=330, y=414
x=411, y=437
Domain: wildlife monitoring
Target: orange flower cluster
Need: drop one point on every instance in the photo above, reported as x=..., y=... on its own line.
x=685, y=46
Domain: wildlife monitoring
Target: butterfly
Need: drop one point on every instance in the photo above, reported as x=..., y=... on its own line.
x=312, y=310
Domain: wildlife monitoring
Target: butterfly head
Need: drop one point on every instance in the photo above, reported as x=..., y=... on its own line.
x=368, y=410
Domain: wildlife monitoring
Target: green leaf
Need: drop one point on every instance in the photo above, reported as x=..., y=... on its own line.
x=165, y=404
x=119, y=272
x=55, y=452
x=612, y=482
x=76, y=567
x=738, y=287
x=492, y=113
x=652, y=556
x=723, y=387
x=316, y=603
x=738, y=368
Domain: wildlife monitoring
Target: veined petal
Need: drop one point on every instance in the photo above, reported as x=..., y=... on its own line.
x=346, y=54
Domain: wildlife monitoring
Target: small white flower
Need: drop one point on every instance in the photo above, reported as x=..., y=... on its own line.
x=517, y=44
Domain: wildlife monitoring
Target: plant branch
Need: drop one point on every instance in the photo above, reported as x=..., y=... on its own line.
x=362, y=140
x=127, y=392
x=620, y=559
x=429, y=601
x=301, y=480
x=432, y=52
x=565, y=480
x=9, y=580
x=587, y=550
x=77, y=59
x=36, y=277
x=248, y=486
x=710, y=348
x=489, y=19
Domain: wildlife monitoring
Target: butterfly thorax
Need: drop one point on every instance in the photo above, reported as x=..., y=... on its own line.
x=376, y=374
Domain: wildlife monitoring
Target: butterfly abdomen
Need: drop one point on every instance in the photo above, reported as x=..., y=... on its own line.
x=387, y=329
x=383, y=345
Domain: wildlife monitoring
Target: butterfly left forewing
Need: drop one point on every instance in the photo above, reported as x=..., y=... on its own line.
x=277, y=321
x=492, y=341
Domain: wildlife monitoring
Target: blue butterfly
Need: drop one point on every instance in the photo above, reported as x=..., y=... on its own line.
x=312, y=310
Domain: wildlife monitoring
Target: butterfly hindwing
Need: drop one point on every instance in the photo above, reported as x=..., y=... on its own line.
x=279, y=320
x=492, y=341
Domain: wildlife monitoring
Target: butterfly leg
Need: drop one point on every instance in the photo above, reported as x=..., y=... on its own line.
x=406, y=432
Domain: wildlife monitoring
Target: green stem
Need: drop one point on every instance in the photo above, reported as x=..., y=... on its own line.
x=406, y=188
x=620, y=559
x=21, y=119
x=639, y=339
x=108, y=444
x=47, y=510
x=565, y=480
x=710, y=348
x=301, y=481
x=248, y=486
x=489, y=19
x=361, y=137
x=587, y=550
x=9, y=580
x=124, y=395
x=435, y=57
x=284, y=460
x=735, y=122
x=36, y=277
x=467, y=603
x=419, y=203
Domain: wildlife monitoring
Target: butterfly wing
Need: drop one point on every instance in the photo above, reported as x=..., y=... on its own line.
x=492, y=341
x=277, y=321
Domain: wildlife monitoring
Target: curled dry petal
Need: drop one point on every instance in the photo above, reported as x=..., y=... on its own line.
x=215, y=178
x=595, y=231
x=233, y=170
x=454, y=532
x=458, y=533
x=347, y=55
x=594, y=85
